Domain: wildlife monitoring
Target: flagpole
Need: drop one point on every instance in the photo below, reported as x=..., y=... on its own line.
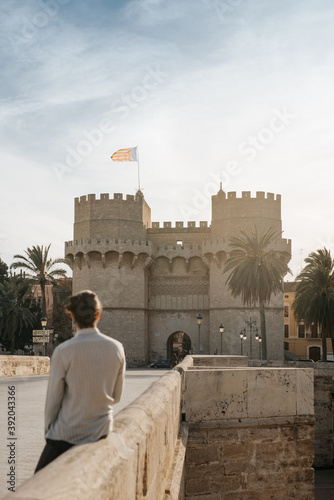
x=138, y=168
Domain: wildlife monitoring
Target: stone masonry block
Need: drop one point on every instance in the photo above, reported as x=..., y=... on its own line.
x=305, y=391
x=271, y=392
x=203, y=454
x=226, y=394
x=212, y=395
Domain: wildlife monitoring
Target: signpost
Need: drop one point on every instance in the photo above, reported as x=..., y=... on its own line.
x=41, y=337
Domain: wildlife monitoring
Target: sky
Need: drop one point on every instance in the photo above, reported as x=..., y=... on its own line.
x=210, y=90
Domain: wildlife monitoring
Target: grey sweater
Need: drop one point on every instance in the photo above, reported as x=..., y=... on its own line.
x=86, y=379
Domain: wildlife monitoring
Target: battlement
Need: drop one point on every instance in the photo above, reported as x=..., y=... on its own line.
x=179, y=225
x=247, y=195
x=100, y=241
x=229, y=211
x=105, y=197
x=111, y=217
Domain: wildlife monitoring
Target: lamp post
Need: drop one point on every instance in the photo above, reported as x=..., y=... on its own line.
x=221, y=329
x=51, y=330
x=243, y=337
x=43, y=323
x=199, y=322
x=260, y=350
x=251, y=325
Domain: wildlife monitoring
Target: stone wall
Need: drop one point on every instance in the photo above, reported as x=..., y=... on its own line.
x=142, y=459
x=251, y=434
x=323, y=410
x=11, y=366
x=111, y=218
x=250, y=438
x=253, y=461
x=324, y=414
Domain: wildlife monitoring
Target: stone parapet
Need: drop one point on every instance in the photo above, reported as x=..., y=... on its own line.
x=137, y=461
x=251, y=433
x=104, y=245
x=323, y=410
x=219, y=361
x=20, y=366
x=243, y=433
x=324, y=414
x=248, y=393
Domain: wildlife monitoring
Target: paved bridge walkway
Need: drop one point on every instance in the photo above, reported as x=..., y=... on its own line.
x=28, y=440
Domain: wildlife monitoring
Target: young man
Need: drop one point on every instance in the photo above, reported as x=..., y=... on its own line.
x=86, y=379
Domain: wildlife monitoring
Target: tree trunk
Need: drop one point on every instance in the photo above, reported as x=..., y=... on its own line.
x=263, y=330
x=324, y=345
x=43, y=299
x=12, y=345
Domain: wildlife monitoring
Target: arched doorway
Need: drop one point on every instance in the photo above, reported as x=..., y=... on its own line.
x=178, y=346
x=314, y=353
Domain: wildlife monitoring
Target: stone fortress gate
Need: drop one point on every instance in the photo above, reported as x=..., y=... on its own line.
x=153, y=280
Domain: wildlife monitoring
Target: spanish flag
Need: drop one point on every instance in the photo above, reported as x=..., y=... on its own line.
x=128, y=154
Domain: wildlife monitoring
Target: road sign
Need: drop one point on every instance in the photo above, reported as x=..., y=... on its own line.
x=41, y=336
x=41, y=339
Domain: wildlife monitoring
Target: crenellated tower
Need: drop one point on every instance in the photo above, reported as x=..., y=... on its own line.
x=230, y=212
x=154, y=279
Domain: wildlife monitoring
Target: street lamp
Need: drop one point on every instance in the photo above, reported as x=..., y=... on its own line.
x=221, y=329
x=243, y=337
x=251, y=325
x=51, y=332
x=199, y=322
x=43, y=323
x=260, y=350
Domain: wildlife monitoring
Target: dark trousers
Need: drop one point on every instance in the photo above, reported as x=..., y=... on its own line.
x=52, y=450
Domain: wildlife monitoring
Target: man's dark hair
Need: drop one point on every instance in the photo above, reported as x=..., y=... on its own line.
x=85, y=306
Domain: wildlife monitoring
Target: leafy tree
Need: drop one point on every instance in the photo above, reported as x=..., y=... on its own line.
x=314, y=298
x=256, y=271
x=62, y=321
x=15, y=316
x=3, y=271
x=39, y=269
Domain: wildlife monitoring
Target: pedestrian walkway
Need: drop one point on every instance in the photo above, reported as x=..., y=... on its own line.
x=30, y=393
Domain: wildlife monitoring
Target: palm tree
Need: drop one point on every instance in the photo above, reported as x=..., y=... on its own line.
x=39, y=269
x=15, y=316
x=256, y=271
x=314, y=298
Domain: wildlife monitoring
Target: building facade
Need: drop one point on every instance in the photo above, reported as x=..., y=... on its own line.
x=299, y=339
x=154, y=280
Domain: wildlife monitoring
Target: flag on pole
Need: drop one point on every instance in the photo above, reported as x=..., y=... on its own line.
x=128, y=154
